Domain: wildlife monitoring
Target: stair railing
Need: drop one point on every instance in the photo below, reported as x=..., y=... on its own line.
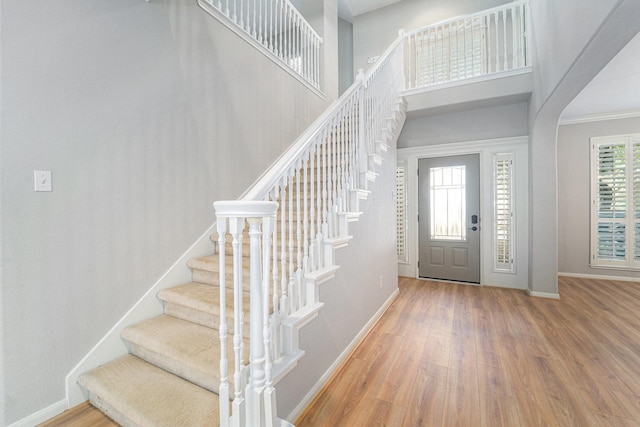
x=277, y=29
x=254, y=398
x=488, y=42
x=316, y=185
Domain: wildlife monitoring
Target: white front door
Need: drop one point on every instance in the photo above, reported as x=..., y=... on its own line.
x=448, y=217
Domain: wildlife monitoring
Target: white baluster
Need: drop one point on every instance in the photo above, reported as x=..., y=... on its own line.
x=284, y=302
x=325, y=178
x=275, y=326
x=224, y=364
x=257, y=354
x=270, y=409
x=298, y=238
x=271, y=32
x=305, y=209
x=236, y=228
x=292, y=295
x=504, y=29
x=312, y=207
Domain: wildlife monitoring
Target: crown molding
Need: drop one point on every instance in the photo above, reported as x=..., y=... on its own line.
x=599, y=117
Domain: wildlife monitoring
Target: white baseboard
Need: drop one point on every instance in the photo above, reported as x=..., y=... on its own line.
x=43, y=415
x=111, y=345
x=548, y=295
x=319, y=385
x=601, y=277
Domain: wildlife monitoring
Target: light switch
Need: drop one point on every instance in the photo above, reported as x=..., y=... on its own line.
x=42, y=180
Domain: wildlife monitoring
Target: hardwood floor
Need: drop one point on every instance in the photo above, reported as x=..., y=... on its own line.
x=460, y=355
x=456, y=355
x=83, y=415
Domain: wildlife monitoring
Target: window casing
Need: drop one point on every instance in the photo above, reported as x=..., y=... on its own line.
x=615, y=201
x=503, y=213
x=401, y=212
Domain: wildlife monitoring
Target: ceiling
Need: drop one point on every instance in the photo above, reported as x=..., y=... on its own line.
x=347, y=9
x=615, y=90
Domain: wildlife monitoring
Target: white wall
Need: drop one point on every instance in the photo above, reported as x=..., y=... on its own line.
x=373, y=32
x=145, y=113
x=574, y=194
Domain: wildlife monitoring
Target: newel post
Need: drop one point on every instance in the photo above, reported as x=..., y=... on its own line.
x=257, y=406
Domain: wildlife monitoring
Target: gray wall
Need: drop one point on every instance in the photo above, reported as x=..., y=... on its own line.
x=570, y=44
x=574, y=193
x=468, y=125
x=345, y=55
x=373, y=32
x=145, y=113
x=323, y=17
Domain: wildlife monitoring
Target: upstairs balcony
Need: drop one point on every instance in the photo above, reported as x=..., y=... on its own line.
x=472, y=61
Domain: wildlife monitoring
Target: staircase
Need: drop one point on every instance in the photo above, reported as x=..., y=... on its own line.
x=226, y=338
x=184, y=365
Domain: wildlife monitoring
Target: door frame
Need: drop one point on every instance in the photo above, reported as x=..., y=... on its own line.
x=473, y=242
x=486, y=149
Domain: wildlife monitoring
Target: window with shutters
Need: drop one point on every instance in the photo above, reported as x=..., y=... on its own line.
x=401, y=212
x=452, y=52
x=615, y=201
x=503, y=237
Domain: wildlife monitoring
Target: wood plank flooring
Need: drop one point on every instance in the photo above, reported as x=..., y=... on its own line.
x=83, y=415
x=460, y=355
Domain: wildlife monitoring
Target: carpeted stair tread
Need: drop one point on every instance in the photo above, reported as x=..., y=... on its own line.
x=206, y=269
x=135, y=393
x=200, y=303
x=183, y=348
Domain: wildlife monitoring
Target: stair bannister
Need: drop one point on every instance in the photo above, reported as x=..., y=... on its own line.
x=254, y=404
x=302, y=203
x=277, y=29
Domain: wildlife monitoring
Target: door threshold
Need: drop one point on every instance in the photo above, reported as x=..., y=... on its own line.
x=456, y=282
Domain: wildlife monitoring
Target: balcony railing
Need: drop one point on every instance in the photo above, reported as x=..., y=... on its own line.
x=489, y=42
x=276, y=28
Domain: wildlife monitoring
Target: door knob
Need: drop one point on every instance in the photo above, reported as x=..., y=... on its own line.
x=474, y=228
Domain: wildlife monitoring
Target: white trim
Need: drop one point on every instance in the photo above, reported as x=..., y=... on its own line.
x=549, y=295
x=42, y=415
x=111, y=345
x=456, y=148
x=599, y=118
x=471, y=80
x=600, y=277
x=518, y=145
x=329, y=373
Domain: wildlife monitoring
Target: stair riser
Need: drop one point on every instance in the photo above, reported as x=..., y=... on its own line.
x=213, y=278
x=208, y=380
x=210, y=320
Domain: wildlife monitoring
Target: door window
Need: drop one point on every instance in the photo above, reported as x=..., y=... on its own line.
x=447, y=201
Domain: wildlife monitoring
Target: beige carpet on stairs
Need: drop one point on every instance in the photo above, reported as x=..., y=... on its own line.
x=150, y=396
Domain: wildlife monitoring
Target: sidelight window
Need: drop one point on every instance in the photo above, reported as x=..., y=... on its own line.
x=615, y=201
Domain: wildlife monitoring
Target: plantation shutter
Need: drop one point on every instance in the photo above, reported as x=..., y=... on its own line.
x=401, y=214
x=503, y=212
x=615, y=204
x=451, y=52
